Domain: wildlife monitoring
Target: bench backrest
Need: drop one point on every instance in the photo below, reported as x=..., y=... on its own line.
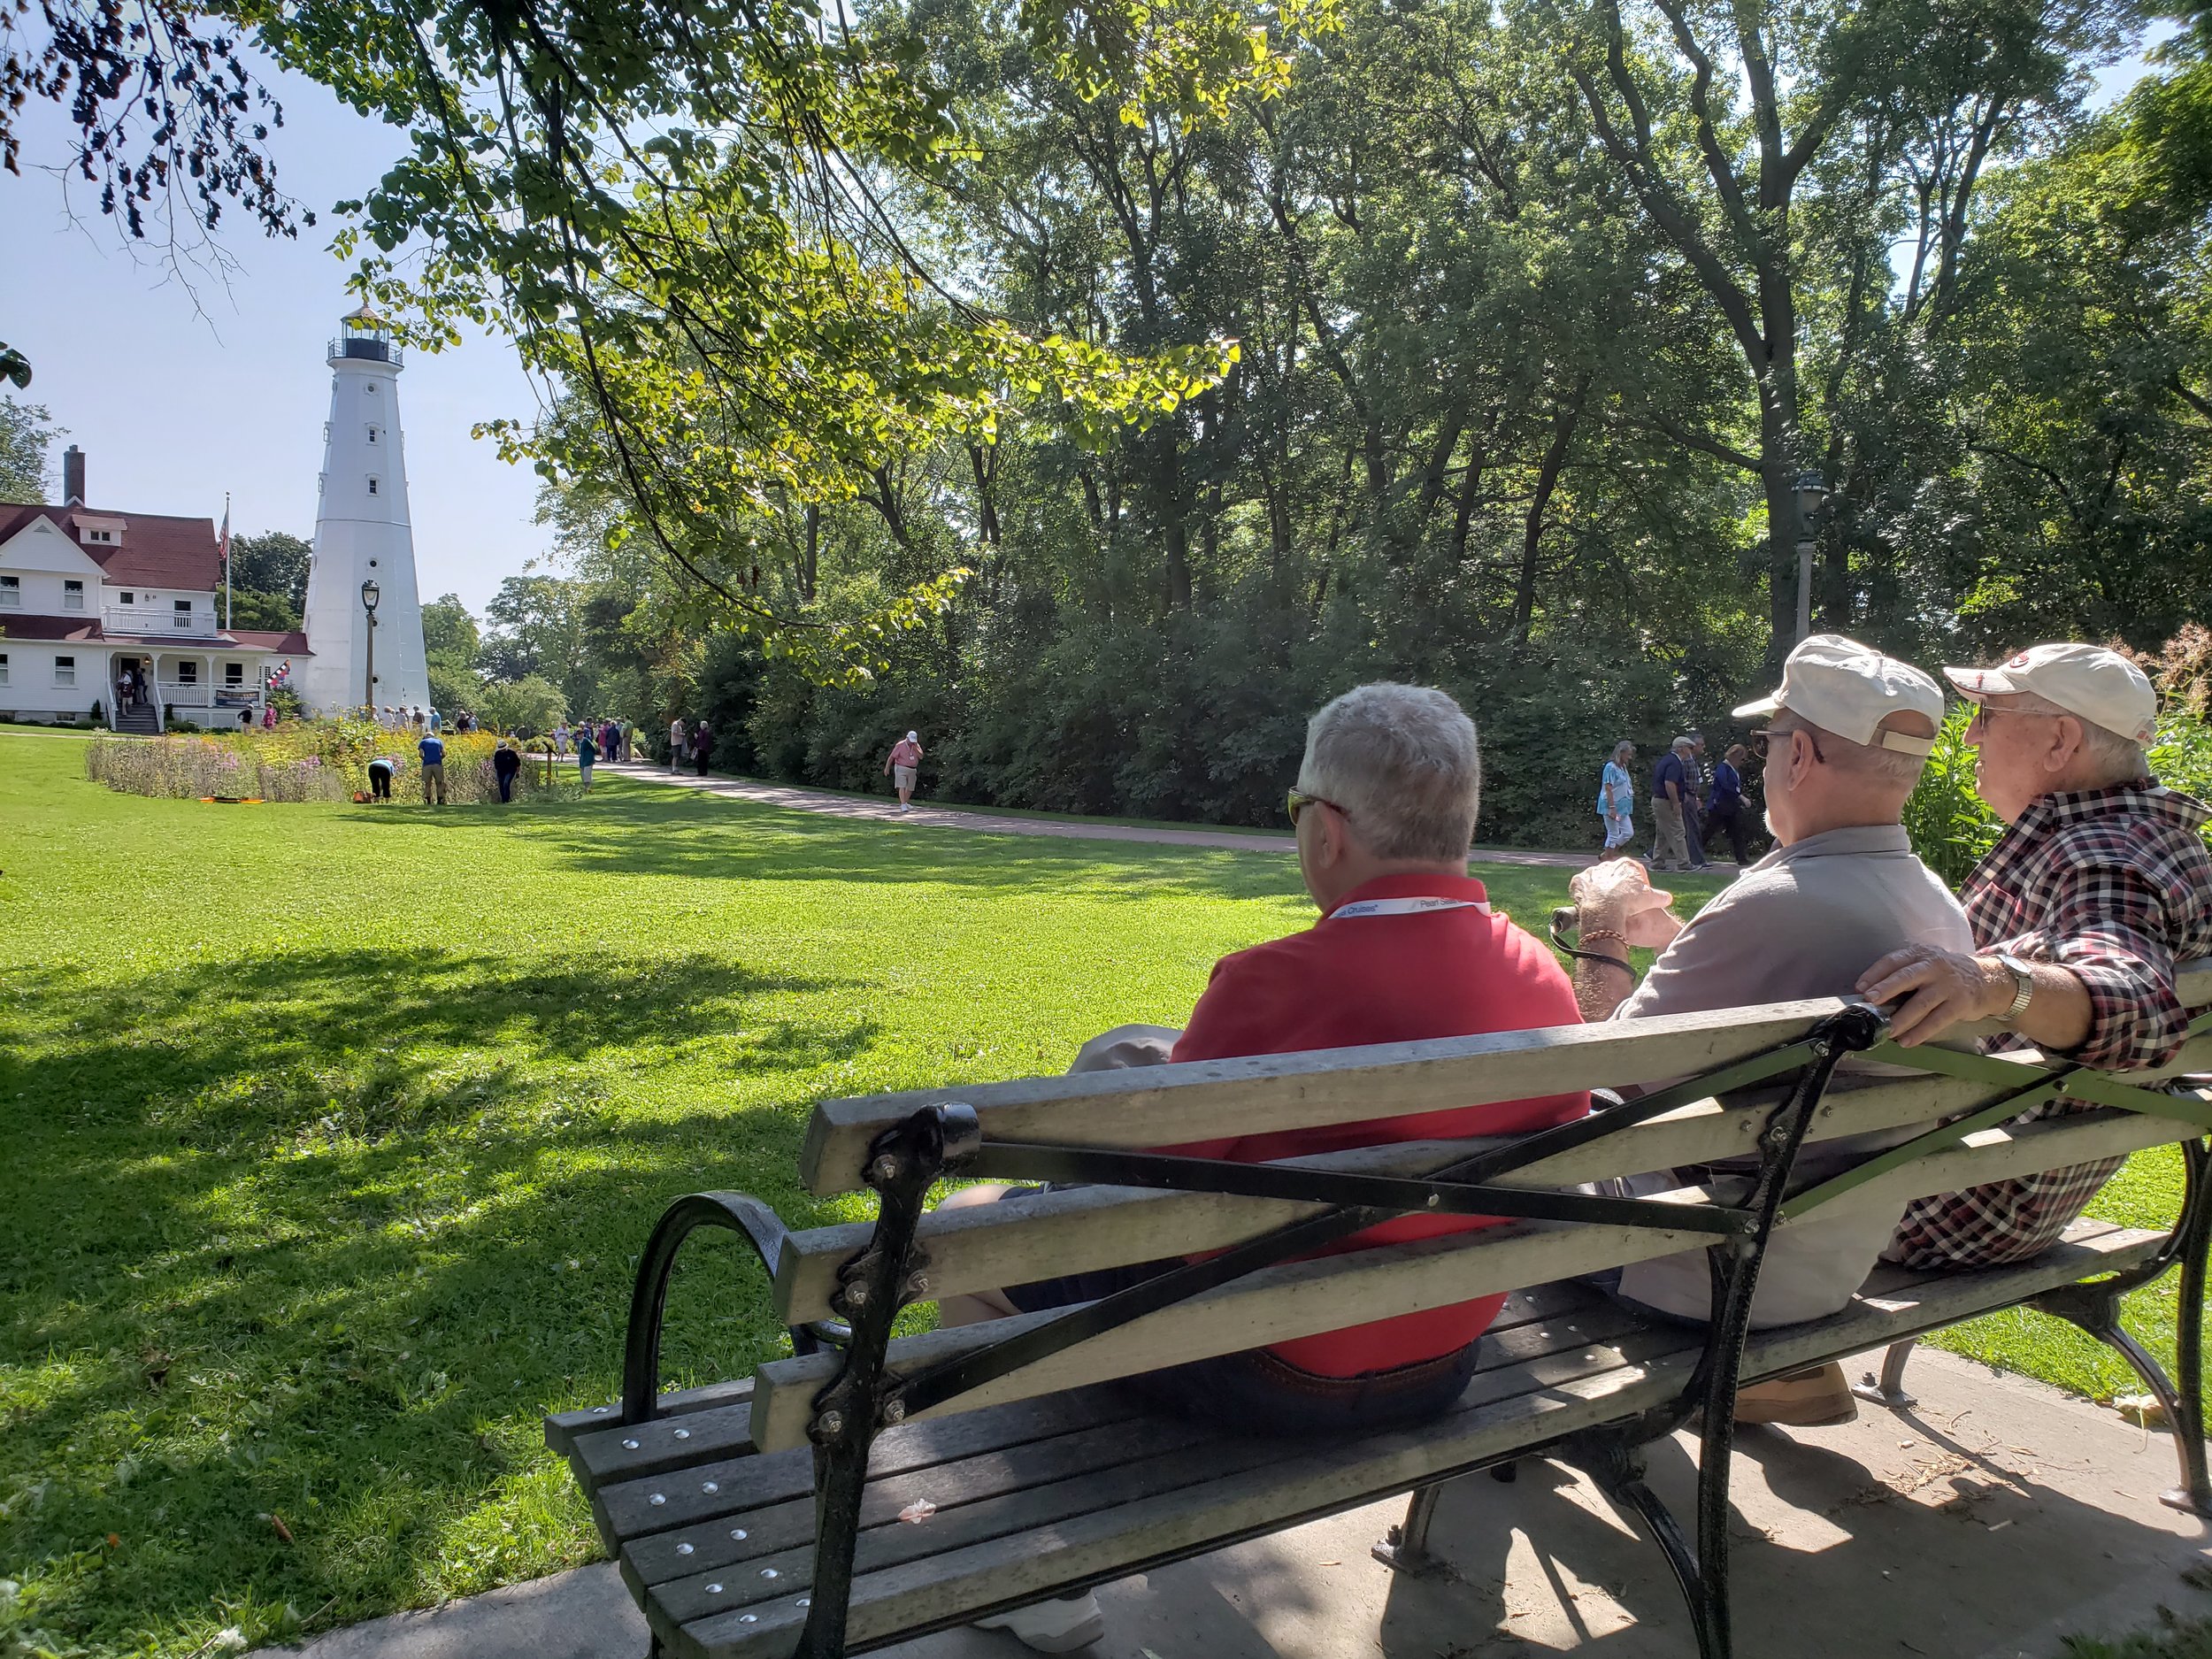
x=1062, y=1233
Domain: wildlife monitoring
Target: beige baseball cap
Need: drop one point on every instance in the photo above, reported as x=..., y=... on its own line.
x=1849, y=688
x=2101, y=686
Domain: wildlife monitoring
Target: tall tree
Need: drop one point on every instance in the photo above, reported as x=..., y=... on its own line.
x=1779, y=149
x=26, y=436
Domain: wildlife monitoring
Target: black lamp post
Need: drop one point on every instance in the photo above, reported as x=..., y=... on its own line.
x=1812, y=492
x=370, y=594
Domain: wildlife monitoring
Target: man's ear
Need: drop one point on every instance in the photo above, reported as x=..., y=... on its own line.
x=2065, y=745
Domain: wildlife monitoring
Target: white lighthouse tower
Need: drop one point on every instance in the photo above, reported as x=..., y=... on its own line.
x=364, y=551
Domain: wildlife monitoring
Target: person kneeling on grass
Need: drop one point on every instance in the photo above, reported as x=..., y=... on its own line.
x=1407, y=947
x=1846, y=738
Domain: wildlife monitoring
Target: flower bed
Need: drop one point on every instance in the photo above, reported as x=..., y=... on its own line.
x=302, y=760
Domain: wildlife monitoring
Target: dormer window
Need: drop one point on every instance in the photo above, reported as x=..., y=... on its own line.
x=10, y=590
x=94, y=530
x=107, y=537
x=72, y=594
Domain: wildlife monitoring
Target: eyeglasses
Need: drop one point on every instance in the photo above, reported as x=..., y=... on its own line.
x=1760, y=741
x=1298, y=802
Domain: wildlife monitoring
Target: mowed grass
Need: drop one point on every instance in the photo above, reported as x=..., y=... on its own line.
x=331, y=1133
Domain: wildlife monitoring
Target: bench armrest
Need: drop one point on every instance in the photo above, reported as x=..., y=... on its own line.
x=751, y=1220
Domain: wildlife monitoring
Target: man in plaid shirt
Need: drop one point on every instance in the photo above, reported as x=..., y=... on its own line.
x=2100, y=885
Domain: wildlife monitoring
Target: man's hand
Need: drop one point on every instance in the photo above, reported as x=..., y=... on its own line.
x=1617, y=897
x=1935, y=990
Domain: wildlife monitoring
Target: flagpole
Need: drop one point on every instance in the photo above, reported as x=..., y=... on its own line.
x=225, y=560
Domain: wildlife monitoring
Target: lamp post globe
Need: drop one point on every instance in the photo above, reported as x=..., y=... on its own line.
x=370, y=594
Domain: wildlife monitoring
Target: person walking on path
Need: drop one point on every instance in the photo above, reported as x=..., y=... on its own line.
x=1616, y=799
x=432, y=748
x=505, y=764
x=1724, y=803
x=702, y=747
x=1669, y=789
x=678, y=743
x=904, y=763
x=586, y=754
x=560, y=738
x=1696, y=778
x=383, y=770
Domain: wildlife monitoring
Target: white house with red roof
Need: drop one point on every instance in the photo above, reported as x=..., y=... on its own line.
x=116, y=617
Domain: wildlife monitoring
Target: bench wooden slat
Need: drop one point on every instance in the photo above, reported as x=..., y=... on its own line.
x=1530, y=1323
x=787, y=1525
x=1303, y=1298
x=982, y=1248
x=1309, y=1480
x=1152, y=1106
x=748, y=1482
x=563, y=1427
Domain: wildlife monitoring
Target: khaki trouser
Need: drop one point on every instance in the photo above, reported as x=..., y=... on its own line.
x=433, y=783
x=1673, y=847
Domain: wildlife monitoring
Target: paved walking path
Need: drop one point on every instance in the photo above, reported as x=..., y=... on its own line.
x=795, y=799
x=1992, y=1522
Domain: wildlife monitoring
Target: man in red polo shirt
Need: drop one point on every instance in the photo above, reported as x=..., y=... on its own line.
x=1407, y=947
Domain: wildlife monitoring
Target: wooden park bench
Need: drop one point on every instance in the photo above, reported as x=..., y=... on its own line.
x=871, y=1488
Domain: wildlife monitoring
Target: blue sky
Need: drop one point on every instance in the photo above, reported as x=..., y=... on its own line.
x=180, y=388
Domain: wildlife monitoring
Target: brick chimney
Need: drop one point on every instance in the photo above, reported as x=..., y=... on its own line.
x=72, y=477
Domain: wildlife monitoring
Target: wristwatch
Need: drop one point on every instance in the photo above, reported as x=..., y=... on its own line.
x=2023, y=984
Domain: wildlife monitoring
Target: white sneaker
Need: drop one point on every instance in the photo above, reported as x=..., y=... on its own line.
x=1057, y=1626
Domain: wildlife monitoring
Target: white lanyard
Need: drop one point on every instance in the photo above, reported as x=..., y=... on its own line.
x=1406, y=907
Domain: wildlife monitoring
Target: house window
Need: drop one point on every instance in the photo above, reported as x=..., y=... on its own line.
x=100, y=535
x=130, y=598
x=371, y=483
x=4, y=668
x=181, y=613
x=234, y=673
x=10, y=590
x=64, y=671
x=372, y=434
x=188, y=674
x=72, y=596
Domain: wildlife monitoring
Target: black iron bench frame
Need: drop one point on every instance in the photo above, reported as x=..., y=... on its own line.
x=866, y=1395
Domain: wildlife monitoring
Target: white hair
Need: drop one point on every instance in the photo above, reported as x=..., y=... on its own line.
x=1623, y=748
x=1893, y=767
x=2113, y=758
x=1403, y=764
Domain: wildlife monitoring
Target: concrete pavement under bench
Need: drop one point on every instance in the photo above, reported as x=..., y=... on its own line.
x=1989, y=1523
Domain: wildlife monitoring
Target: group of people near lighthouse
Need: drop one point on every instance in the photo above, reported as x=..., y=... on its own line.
x=2066, y=935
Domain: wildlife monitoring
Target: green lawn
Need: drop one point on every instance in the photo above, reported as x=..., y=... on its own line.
x=331, y=1132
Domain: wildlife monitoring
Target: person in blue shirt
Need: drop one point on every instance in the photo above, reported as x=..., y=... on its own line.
x=432, y=748
x=1617, y=798
x=587, y=752
x=1725, y=803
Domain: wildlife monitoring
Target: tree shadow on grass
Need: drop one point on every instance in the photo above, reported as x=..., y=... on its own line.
x=647, y=830
x=282, y=1247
